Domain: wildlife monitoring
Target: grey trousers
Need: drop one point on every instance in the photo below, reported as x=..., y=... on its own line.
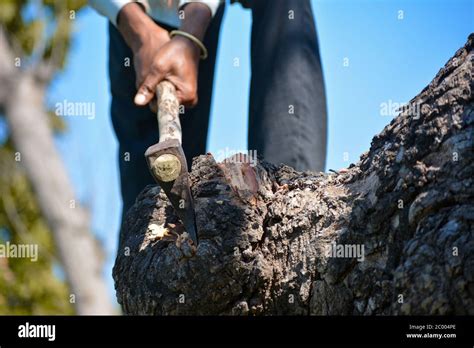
x=287, y=111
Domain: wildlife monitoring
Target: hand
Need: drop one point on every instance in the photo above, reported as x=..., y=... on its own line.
x=176, y=61
x=143, y=36
x=145, y=56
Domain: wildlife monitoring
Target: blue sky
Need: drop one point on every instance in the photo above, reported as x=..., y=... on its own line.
x=373, y=52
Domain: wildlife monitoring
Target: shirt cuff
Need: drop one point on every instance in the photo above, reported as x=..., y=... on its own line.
x=111, y=8
x=212, y=4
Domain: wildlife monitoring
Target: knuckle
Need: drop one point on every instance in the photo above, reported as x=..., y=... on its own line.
x=193, y=92
x=190, y=92
x=158, y=67
x=146, y=88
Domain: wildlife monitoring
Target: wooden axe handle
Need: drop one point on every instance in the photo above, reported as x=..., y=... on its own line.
x=168, y=112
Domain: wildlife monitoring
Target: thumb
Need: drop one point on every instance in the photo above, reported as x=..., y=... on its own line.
x=146, y=92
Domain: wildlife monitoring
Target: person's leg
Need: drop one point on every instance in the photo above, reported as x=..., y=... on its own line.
x=287, y=111
x=195, y=122
x=136, y=127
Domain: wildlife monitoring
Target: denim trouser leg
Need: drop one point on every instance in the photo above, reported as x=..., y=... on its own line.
x=136, y=127
x=287, y=111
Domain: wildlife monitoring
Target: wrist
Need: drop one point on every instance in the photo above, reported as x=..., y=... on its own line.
x=188, y=45
x=136, y=26
x=197, y=17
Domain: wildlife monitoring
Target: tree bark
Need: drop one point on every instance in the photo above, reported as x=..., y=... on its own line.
x=271, y=237
x=28, y=124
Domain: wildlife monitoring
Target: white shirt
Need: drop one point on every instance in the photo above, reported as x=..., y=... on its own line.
x=164, y=11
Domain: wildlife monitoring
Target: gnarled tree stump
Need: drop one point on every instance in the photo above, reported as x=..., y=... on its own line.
x=391, y=235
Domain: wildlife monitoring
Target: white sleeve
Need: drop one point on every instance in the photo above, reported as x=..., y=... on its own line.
x=111, y=8
x=212, y=4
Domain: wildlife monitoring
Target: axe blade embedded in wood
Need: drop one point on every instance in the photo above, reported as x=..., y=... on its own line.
x=166, y=159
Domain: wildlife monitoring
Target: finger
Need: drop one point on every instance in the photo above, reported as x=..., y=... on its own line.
x=146, y=92
x=193, y=102
x=188, y=99
x=189, y=102
x=144, y=95
x=153, y=105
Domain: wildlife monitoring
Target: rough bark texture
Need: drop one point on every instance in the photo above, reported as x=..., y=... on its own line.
x=265, y=231
x=28, y=124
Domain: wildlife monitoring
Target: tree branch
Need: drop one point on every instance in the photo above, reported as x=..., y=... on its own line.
x=391, y=235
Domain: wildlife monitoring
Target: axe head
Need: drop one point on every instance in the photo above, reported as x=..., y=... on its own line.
x=167, y=164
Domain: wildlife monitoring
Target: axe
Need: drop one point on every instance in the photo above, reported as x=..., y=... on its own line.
x=166, y=159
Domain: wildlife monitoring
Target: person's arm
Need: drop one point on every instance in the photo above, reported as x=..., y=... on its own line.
x=144, y=37
x=137, y=28
x=213, y=5
x=178, y=60
x=109, y=8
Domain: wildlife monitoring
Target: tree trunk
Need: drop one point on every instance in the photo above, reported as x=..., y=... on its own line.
x=392, y=234
x=28, y=123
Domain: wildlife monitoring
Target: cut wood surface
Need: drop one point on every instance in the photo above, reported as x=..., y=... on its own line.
x=392, y=234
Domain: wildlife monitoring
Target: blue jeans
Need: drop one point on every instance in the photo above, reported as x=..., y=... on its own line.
x=287, y=111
